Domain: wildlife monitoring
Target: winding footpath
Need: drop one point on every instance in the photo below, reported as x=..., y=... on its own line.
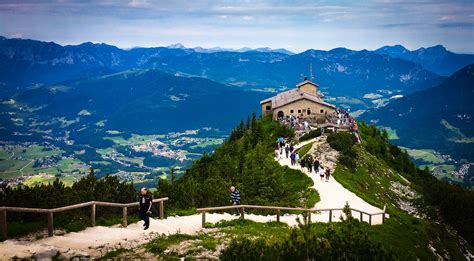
x=332, y=193
x=96, y=241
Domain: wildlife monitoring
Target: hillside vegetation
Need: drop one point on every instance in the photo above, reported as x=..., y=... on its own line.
x=426, y=215
x=420, y=224
x=246, y=161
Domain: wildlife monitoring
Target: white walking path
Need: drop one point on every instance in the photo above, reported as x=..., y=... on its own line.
x=96, y=241
x=333, y=194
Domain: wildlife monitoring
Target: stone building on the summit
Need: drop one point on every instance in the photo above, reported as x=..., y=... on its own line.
x=304, y=101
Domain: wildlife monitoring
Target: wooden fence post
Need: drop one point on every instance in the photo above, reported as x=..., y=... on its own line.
x=370, y=219
x=203, y=219
x=162, y=210
x=278, y=215
x=361, y=217
x=383, y=215
x=124, y=216
x=93, y=206
x=242, y=214
x=3, y=225
x=330, y=215
x=50, y=224
x=309, y=217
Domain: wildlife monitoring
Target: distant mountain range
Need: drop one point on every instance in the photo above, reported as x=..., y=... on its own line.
x=240, y=50
x=79, y=92
x=440, y=118
x=340, y=72
x=436, y=59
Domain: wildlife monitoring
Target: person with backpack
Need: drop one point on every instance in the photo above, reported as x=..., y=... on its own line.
x=287, y=151
x=235, y=198
x=146, y=201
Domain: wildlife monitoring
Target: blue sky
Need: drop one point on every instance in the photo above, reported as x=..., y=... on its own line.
x=294, y=25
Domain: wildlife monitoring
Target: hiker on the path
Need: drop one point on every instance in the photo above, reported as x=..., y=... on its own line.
x=235, y=198
x=292, y=148
x=322, y=172
x=293, y=158
x=287, y=151
x=302, y=163
x=297, y=157
x=277, y=154
x=316, y=165
x=146, y=201
x=328, y=173
x=309, y=164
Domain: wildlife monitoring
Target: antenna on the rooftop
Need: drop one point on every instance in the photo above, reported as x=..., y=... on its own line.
x=311, y=71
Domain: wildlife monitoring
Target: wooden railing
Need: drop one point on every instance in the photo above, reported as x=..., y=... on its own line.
x=278, y=210
x=50, y=213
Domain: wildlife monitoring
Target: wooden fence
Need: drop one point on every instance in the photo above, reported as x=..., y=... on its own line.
x=278, y=210
x=50, y=213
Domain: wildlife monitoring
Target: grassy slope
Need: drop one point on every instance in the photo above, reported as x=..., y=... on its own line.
x=409, y=237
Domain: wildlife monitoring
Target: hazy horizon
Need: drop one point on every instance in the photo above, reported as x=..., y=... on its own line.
x=293, y=25
x=229, y=48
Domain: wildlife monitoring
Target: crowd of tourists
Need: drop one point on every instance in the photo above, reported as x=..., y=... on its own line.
x=298, y=123
x=287, y=150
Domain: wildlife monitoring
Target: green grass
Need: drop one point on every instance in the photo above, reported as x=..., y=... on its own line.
x=114, y=254
x=208, y=143
x=425, y=155
x=119, y=140
x=406, y=235
x=300, y=184
x=113, y=132
x=100, y=162
x=181, y=212
x=305, y=149
x=240, y=228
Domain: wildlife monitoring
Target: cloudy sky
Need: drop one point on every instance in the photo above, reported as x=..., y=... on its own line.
x=295, y=25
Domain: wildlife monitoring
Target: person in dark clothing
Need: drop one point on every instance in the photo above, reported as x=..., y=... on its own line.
x=309, y=164
x=293, y=158
x=316, y=165
x=146, y=201
x=292, y=148
x=302, y=163
x=235, y=198
x=328, y=174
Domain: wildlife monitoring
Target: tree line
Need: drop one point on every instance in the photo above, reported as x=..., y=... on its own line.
x=244, y=160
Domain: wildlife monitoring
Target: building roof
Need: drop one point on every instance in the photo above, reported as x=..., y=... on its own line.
x=293, y=95
x=305, y=82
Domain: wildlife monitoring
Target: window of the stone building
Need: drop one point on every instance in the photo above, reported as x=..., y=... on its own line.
x=268, y=108
x=308, y=111
x=299, y=111
x=322, y=111
x=292, y=111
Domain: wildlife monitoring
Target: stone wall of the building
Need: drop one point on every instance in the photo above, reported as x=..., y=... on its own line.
x=265, y=107
x=308, y=88
x=300, y=108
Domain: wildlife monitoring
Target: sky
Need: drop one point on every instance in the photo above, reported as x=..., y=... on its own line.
x=295, y=25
